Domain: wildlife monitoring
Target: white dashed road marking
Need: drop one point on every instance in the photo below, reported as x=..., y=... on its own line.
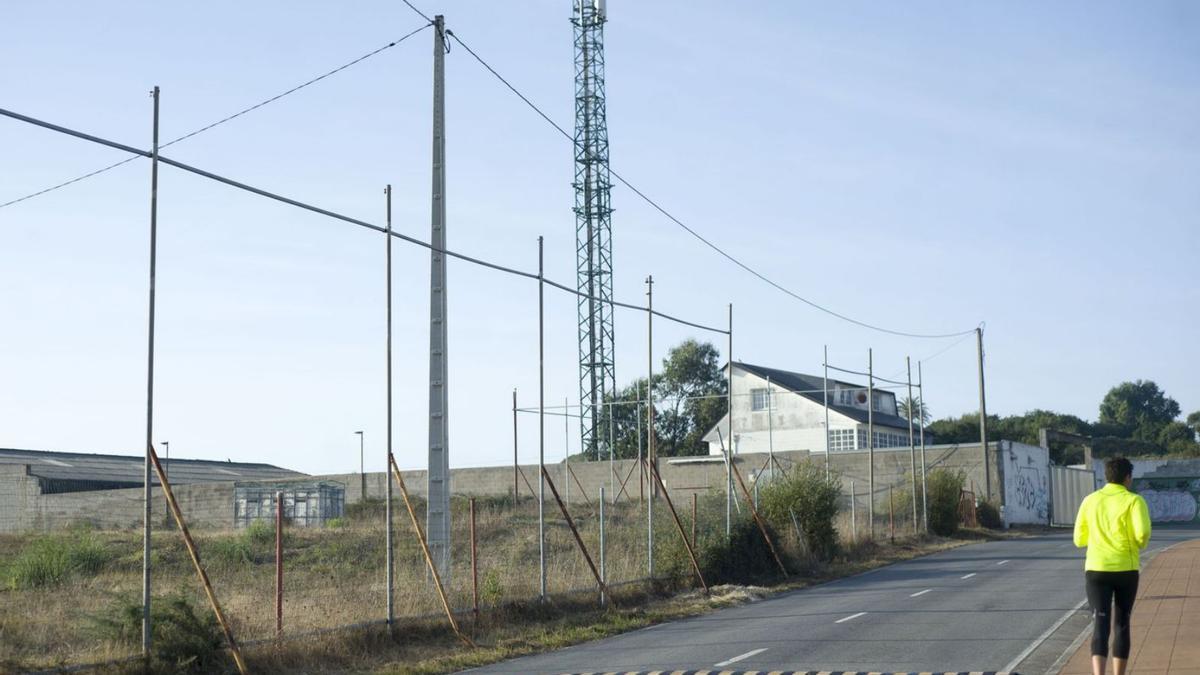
x=852, y=616
x=1002, y=562
x=920, y=593
x=968, y=576
x=740, y=657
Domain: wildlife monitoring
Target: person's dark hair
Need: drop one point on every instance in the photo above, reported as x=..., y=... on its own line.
x=1117, y=469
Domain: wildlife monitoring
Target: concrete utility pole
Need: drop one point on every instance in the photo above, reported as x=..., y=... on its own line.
x=983, y=442
x=438, y=517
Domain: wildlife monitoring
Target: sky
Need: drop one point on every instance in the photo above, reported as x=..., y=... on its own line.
x=924, y=167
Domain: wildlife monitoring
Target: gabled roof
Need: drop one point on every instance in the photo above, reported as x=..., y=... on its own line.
x=76, y=466
x=812, y=388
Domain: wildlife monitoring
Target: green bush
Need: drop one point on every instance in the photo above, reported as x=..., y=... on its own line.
x=260, y=533
x=812, y=498
x=183, y=639
x=944, y=489
x=50, y=560
x=988, y=515
x=255, y=544
x=491, y=589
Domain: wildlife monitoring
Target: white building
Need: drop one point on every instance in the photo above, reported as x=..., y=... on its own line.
x=781, y=410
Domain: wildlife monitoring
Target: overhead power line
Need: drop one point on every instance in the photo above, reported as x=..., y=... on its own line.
x=338, y=216
x=221, y=121
x=658, y=207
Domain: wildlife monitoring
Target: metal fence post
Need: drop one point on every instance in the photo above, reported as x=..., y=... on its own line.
x=541, y=422
x=147, y=494
x=651, y=457
x=871, y=442
x=924, y=467
x=389, y=535
x=603, y=571
x=474, y=563
x=853, y=514
x=279, y=563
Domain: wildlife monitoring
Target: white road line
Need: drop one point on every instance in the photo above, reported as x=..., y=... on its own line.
x=920, y=592
x=968, y=576
x=739, y=658
x=1002, y=562
x=1043, y=637
x=845, y=619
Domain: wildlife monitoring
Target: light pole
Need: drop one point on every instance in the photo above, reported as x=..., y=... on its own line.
x=361, y=468
x=167, y=463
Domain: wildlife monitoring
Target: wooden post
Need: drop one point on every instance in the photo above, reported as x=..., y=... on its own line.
x=279, y=563
x=474, y=564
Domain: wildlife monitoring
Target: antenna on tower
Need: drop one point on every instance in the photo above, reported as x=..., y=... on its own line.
x=593, y=229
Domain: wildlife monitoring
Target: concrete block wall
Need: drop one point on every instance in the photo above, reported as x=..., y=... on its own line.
x=23, y=507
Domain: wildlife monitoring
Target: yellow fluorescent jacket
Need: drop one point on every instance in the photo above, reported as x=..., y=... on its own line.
x=1114, y=524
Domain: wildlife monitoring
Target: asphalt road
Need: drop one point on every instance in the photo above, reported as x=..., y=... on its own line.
x=978, y=607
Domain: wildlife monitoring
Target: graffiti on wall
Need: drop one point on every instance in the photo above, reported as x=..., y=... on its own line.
x=1171, y=500
x=1026, y=484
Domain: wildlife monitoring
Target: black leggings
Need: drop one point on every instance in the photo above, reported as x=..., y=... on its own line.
x=1111, y=596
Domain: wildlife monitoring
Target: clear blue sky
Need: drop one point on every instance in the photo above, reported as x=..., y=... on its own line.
x=926, y=166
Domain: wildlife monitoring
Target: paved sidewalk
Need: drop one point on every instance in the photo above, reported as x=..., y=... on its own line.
x=1166, y=618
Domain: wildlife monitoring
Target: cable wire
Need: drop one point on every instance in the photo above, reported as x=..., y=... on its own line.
x=337, y=216
x=221, y=121
x=658, y=207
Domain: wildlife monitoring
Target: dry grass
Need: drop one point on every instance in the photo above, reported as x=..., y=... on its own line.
x=335, y=578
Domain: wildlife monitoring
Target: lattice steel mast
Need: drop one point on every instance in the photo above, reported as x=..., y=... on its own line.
x=593, y=227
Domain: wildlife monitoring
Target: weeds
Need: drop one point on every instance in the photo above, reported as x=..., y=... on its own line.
x=184, y=639
x=50, y=560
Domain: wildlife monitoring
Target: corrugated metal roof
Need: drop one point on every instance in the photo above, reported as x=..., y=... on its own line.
x=75, y=466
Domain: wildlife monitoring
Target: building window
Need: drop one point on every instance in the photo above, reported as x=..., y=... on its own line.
x=761, y=399
x=841, y=440
x=845, y=397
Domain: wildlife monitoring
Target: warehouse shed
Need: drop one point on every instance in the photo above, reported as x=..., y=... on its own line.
x=63, y=472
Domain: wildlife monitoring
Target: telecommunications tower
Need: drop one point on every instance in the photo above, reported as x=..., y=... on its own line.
x=593, y=228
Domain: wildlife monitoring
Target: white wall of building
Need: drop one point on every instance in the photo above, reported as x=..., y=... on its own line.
x=794, y=422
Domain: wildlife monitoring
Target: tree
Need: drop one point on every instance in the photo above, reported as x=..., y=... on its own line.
x=1193, y=422
x=1138, y=410
x=689, y=399
x=692, y=390
x=916, y=406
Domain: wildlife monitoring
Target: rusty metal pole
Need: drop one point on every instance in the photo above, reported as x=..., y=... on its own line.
x=474, y=564
x=279, y=563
